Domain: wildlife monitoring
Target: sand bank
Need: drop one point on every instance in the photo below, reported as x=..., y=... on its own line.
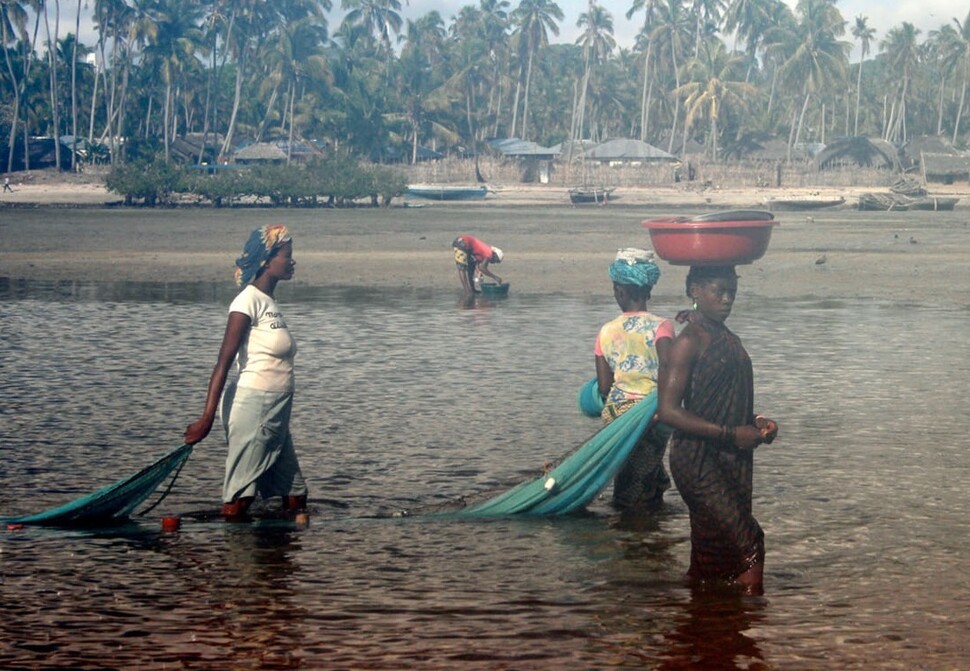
x=551, y=246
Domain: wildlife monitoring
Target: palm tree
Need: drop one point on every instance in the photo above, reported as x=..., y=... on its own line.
x=357, y=119
x=114, y=20
x=902, y=53
x=937, y=56
x=418, y=76
x=716, y=86
x=744, y=18
x=249, y=24
x=74, y=50
x=707, y=16
x=534, y=19
x=959, y=52
x=52, y=75
x=291, y=50
x=494, y=29
x=68, y=53
x=13, y=22
x=672, y=33
x=215, y=26
x=819, y=60
x=476, y=59
x=170, y=31
x=294, y=55
x=777, y=39
x=749, y=20
x=645, y=44
x=377, y=17
x=598, y=43
x=468, y=58
x=864, y=33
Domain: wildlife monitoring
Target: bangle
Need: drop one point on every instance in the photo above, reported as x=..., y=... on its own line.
x=726, y=434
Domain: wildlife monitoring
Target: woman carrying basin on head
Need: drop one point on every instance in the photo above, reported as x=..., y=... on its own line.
x=707, y=396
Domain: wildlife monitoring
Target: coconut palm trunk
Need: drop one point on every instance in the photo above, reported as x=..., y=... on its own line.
x=52, y=65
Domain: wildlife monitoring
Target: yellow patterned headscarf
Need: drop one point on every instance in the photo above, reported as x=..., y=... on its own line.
x=259, y=249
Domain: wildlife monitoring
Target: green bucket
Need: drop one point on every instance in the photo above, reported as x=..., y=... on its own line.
x=490, y=289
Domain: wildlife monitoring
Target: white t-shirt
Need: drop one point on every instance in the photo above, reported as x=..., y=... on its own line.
x=265, y=358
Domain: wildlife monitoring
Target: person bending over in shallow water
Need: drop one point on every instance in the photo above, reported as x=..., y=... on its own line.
x=629, y=353
x=473, y=256
x=256, y=408
x=707, y=396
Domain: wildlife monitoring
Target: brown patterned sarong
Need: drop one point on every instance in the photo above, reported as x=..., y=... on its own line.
x=714, y=478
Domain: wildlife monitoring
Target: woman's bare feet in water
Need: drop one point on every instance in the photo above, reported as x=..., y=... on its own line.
x=236, y=511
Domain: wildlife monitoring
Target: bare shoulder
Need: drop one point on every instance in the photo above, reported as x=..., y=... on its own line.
x=690, y=341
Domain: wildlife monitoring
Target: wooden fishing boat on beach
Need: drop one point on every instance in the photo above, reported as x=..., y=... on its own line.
x=934, y=203
x=885, y=202
x=591, y=195
x=446, y=192
x=776, y=204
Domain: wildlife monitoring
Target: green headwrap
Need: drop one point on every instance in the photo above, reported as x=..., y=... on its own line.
x=634, y=266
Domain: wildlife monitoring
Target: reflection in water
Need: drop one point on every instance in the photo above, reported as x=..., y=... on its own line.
x=861, y=498
x=478, y=302
x=714, y=633
x=262, y=615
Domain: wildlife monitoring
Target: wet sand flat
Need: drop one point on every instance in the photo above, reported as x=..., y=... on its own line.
x=551, y=247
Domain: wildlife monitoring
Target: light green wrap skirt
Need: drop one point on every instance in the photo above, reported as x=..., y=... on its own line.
x=261, y=459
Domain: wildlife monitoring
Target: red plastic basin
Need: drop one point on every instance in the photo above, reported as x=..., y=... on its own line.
x=688, y=242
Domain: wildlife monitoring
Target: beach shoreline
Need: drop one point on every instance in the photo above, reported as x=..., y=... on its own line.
x=49, y=188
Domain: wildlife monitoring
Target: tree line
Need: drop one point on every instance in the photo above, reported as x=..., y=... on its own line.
x=721, y=73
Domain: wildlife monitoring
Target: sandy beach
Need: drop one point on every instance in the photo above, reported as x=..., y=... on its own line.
x=50, y=188
x=62, y=228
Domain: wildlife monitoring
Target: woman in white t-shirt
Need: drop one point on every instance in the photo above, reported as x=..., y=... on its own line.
x=256, y=407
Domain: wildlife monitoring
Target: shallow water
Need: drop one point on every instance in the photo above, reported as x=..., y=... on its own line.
x=410, y=400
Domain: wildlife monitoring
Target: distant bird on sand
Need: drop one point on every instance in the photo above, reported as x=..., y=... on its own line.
x=820, y=260
x=912, y=240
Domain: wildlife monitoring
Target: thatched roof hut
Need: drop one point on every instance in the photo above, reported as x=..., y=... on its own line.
x=945, y=168
x=858, y=150
x=260, y=152
x=187, y=148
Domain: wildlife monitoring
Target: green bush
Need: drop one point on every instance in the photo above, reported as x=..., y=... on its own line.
x=152, y=182
x=338, y=180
